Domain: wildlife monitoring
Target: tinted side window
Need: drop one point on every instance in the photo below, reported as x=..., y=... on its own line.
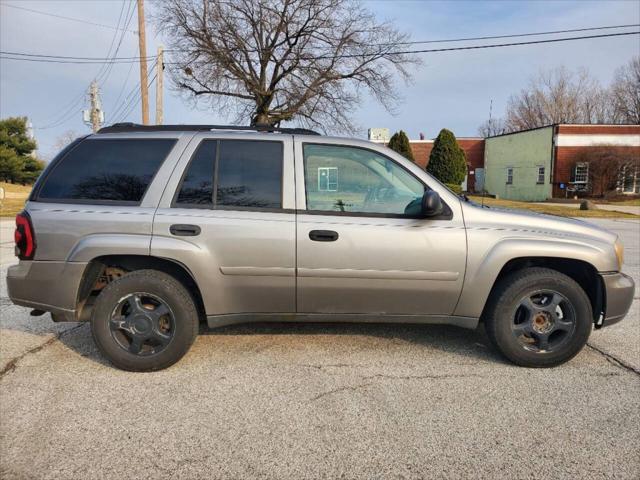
x=106, y=170
x=197, y=185
x=350, y=179
x=249, y=174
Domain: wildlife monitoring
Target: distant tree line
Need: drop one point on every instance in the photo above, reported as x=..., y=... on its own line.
x=562, y=96
x=18, y=163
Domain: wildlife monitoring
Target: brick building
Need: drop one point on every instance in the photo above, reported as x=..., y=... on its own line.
x=571, y=142
x=540, y=163
x=546, y=162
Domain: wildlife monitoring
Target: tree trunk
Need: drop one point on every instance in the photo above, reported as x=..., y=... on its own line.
x=262, y=119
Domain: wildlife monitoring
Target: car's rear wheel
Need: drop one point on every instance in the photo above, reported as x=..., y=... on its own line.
x=538, y=317
x=145, y=320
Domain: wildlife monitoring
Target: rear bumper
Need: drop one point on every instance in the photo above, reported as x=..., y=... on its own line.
x=619, y=289
x=48, y=286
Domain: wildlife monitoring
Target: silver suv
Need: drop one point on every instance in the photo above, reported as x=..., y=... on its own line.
x=148, y=231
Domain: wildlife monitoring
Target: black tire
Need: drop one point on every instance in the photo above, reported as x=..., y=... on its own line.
x=115, y=321
x=521, y=324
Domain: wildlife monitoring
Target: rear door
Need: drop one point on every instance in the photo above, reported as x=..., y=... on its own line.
x=228, y=215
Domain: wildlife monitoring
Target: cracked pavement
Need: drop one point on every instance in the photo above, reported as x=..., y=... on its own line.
x=319, y=401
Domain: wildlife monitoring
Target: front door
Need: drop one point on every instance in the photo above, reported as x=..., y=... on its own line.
x=360, y=247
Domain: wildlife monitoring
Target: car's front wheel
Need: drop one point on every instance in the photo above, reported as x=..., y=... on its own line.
x=538, y=317
x=145, y=320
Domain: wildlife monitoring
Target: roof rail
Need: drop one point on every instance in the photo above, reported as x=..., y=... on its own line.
x=135, y=127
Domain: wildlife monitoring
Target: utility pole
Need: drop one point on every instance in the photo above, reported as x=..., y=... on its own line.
x=94, y=116
x=159, y=86
x=142, y=41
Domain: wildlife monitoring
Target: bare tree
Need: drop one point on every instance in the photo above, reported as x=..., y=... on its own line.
x=65, y=139
x=269, y=61
x=605, y=164
x=562, y=96
x=557, y=96
x=595, y=103
x=491, y=127
x=625, y=92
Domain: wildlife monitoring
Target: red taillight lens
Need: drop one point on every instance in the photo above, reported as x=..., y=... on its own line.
x=24, y=237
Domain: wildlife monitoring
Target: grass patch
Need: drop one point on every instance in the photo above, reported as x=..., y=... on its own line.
x=552, y=210
x=14, y=198
x=634, y=202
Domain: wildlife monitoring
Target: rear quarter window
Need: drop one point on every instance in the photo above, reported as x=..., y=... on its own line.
x=106, y=171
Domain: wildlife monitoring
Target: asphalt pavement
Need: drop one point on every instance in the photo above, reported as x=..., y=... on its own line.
x=294, y=401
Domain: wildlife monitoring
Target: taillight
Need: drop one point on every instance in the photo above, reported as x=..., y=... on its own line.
x=24, y=237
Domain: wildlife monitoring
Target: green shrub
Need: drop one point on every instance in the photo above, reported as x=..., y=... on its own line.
x=454, y=187
x=17, y=161
x=447, y=161
x=400, y=143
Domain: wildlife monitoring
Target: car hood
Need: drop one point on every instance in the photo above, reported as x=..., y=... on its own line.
x=533, y=223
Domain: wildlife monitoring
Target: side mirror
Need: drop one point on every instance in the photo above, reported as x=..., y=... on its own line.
x=431, y=204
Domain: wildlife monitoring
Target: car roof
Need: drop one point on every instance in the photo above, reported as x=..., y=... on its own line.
x=135, y=128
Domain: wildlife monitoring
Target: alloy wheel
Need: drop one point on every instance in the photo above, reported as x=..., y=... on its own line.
x=544, y=321
x=142, y=324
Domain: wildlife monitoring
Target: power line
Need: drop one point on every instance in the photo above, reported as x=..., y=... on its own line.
x=90, y=60
x=64, y=57
x=132, y=96
x=103, y=68
x=137, y=100
x=126, y=101
x=514, y=35
x=79, y=20
x=67, y=114
x=102, y=60
x=76, y=62
x=124, y=86
x=490, y=37
x=127, y=19
x=450, y=49
x=71, y=109
x=122, y=59
x=470, y=47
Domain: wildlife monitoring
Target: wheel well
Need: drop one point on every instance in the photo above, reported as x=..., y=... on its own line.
x=582, y=272
x=102, y=270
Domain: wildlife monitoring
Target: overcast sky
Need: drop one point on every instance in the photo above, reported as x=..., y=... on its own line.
x=451, y=90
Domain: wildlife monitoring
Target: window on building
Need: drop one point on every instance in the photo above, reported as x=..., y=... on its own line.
x=368, y=182
x=509, y=175
x=540, y=175
x=581, y=173
x=103, y=171
x=249, y=174
x=630, y=179
x=328, y=179
x=197, y=184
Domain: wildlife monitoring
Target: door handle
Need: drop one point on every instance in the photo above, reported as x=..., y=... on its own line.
x=185, y=230
x=323, y=235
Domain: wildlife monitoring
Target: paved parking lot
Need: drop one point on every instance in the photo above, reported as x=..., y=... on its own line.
x=319, y=401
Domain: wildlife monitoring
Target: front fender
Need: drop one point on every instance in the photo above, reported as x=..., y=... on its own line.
x=486, y=259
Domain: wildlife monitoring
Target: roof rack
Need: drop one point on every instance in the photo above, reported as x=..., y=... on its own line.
x=135, y=127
